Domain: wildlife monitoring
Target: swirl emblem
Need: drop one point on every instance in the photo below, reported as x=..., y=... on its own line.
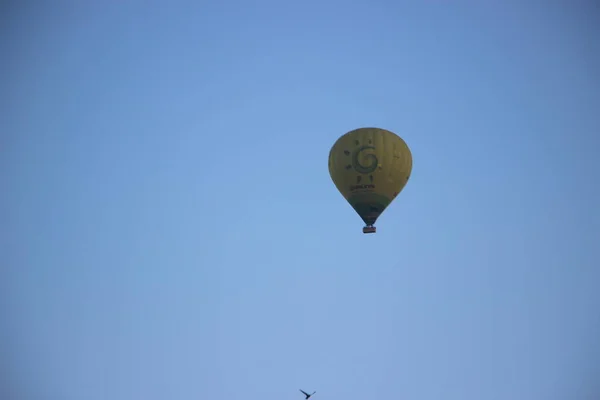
x=364, y=169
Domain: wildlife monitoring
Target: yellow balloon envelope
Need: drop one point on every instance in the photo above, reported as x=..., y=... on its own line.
x=370, y=167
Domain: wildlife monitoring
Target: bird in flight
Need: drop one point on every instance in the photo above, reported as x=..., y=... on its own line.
x=306, y=394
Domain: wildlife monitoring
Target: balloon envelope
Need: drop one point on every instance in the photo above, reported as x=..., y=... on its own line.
x=370, y=167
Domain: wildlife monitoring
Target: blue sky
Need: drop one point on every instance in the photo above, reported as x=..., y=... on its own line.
x=171, y=230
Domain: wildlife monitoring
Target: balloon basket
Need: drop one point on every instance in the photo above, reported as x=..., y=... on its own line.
x=369, y=229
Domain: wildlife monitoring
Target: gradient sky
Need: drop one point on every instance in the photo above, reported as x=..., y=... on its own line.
x=171, y=230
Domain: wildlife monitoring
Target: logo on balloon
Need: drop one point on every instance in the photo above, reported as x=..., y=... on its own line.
x=372, y=160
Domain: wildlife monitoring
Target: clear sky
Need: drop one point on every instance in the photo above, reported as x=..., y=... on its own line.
x=170, y=230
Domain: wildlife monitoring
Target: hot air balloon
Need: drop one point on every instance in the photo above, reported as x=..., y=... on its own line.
x=370, y=167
